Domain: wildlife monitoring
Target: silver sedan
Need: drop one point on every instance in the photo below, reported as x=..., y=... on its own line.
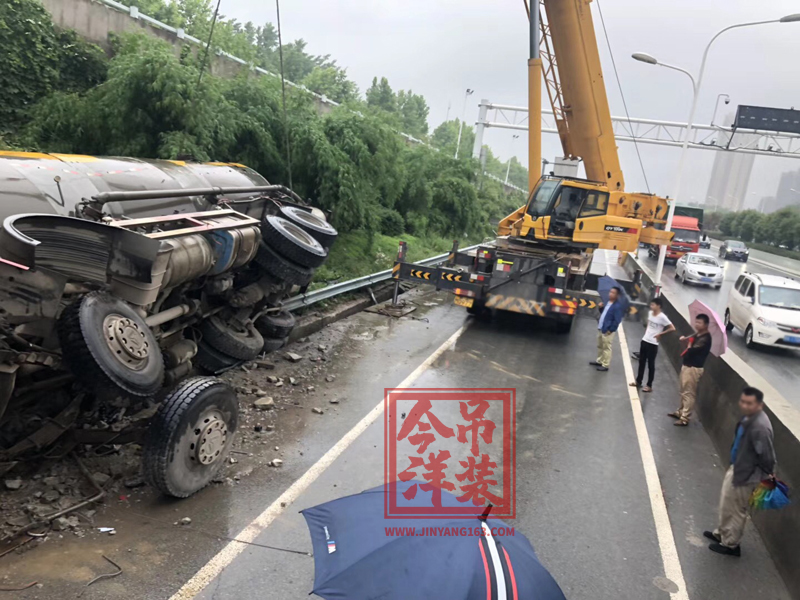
x=701, y=269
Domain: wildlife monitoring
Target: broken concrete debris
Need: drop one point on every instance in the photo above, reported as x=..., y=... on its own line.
x=264, y=403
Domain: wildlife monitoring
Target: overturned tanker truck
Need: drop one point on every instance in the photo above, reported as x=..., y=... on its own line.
x=119, y=278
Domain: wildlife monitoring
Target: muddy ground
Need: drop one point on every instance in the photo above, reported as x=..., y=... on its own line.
x=301, y=381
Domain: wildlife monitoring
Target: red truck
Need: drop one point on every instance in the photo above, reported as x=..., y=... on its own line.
x=687, y=238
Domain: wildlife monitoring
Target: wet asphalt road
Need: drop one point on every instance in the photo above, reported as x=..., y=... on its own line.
x=581, y=493
x=778, y=365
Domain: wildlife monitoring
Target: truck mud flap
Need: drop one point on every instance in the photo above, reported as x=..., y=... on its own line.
x=517, y=304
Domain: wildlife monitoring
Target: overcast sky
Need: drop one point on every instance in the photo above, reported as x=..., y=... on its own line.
x=438, y=48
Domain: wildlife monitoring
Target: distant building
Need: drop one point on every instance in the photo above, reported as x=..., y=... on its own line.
x=788, y=193
x=730, y=175
x=767, y=204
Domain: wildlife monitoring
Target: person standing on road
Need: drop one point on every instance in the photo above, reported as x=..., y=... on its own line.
x=752, y=459
x=657, y=325
x=694, y=360
x=609, y=322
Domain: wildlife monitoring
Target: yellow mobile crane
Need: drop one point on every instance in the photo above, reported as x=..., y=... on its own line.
x=539, y=262
x=596, y=211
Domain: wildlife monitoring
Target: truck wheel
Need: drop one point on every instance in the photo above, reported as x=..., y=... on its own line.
x=564, y=325
x=109, y=348
x=232, y=339
x=479, y=311
x=273, y=344
x=320, y=229
x=212, y=361
x=281, y=268
x=188, y=439
x=293, y=242
x=275, y=325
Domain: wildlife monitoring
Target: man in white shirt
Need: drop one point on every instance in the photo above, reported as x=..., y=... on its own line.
x=657, y=325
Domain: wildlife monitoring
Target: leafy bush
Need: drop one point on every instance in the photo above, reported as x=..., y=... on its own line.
x=37, y=60
x=392, y=222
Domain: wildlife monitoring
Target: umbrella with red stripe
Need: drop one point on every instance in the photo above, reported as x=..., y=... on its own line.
x=361, y=554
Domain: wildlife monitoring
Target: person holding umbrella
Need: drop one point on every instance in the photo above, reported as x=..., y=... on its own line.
x=709, y=338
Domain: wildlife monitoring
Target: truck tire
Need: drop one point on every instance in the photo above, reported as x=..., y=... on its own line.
x=479, y=311
x=243, y=343
x=564, y=326
x=188, y=439
x=109, y=348
x=320, y=229
x=281, y=268
x=276, y=325
x=273, y=344
x=293, y=242
x=211, y=361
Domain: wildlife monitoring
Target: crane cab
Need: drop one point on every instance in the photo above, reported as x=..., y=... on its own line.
x=583, y=214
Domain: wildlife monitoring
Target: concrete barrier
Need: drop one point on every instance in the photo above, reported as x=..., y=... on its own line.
x=718, y=411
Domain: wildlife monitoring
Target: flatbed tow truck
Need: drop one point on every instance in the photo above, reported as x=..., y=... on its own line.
x=540, y=262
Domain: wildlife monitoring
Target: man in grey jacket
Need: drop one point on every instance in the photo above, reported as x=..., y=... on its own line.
x=752, y=459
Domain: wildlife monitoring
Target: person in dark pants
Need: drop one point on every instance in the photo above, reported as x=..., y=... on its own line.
x=752, y=459
x=657, y=325
x=694, y=360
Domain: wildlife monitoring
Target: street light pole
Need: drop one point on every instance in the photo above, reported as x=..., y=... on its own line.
x=508, y=168
x=467, y=94
x=696, y=84
x=716, y=105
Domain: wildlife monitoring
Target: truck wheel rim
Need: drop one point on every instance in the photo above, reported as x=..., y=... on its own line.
x=126, y=341
x=211, y=434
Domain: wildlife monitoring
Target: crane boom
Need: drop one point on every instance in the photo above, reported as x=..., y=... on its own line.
x=579, y=97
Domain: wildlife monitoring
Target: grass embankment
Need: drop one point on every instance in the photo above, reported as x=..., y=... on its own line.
x=354, y=256
x=757, y=246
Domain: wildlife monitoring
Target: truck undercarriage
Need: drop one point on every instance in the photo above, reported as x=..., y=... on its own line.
x=111, y=300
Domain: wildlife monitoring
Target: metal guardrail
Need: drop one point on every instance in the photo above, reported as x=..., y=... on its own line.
x=352, y=285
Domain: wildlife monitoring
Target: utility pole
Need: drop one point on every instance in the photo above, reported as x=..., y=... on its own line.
x=467, y=94
x=508, y=168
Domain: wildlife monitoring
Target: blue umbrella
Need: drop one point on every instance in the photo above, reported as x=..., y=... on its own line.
x=358, y=556
x=604, y=286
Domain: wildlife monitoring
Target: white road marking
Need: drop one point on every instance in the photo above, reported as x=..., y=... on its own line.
x=232, y=549
x=666, y=539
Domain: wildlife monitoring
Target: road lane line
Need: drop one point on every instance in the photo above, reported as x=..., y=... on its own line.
x=666, y=539
x=232, y=549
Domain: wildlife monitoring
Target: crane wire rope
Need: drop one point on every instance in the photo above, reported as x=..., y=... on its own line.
x=622, y=95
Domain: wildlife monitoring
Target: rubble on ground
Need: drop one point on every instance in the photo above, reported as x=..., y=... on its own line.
x=279, y=395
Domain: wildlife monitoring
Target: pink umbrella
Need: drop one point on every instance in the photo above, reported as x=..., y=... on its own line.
x=716, y=327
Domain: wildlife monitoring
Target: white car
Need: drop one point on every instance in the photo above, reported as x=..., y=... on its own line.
x=699, y=268
x=767, y=309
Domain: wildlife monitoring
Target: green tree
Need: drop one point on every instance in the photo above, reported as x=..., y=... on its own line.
x=445, y=136
x=414, y=113
x=380, y=95
x=333, y=83
x=746, y=223
x=726, y=224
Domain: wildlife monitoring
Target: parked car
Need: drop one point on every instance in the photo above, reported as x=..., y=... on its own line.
x=700, y=269
x=734, y=250
x=766, y=308
x=120, y=277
